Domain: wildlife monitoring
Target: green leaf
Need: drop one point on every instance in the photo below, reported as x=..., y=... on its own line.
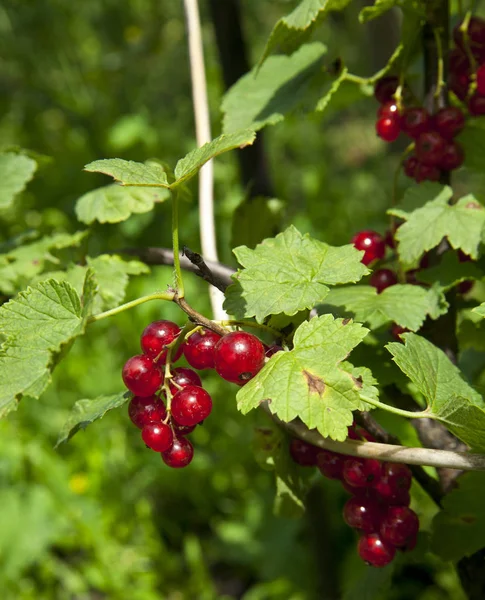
x=284, y=83
x=291, y=31
x=480, y=310
x=460, y=223
x=38, y=325
x=128, y=172
x=406, y=305
x=19, y=266
x=16, y=170
x=472, y=138
x=115, y=203
x=459, y=528
x=449, y=272
x=188, y=166
x=291, y=272
x=450, y=398
x=379, y=8
x=310, y=381
x=256, y=219
x=85, y=412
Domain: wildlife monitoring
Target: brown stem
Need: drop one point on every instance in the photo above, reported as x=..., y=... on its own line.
x=197, y=318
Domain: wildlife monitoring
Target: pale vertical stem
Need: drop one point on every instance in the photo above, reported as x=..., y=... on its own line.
x=203, y=135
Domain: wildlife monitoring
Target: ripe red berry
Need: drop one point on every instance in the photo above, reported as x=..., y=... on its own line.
x=475, y=35
x=462, y=257
x=476, y=105
x=465, y=286
x=426, y=173
x=382, y=279
x=449, y=121
x=362, y=513
x=303, y=453
x=142, y=376
x=156, y=336
x=273, y=349
x=385, y=89
x=453, y=156
x=374, y=551
x=394, y=483
x=146, y=410
x=481, y=79
x=458, y=61
x=372, y=243
x=182, y=377
x=415, y=121
x=430, y=147
x=182, y=430
x=361, y=472
x=388, y=128
x=389, y=109
x=396, y=331
x=331, y=464
x=191, y=405
x=180, y=454
x=199, y=349
x=157, y=436
x=399, y=526
x=410, y=165
x=239, y=356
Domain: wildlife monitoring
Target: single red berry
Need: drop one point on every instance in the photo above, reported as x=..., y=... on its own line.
x=449, y=121
x=374, y=551
x=459, y=84
x=361, y=472
x=365, y=435
x=191, y=405
x=180, y=454
x=200, y=347
x=358, y=492
x=142, y=376
x=399, y=525
x=352, y=433
x=303, y=453
x=372, y=243
x=157, y=436
x=481, y=79
x=331, y=464
x=415, y=121
x=146, y=410
x=426, y=173
x=382, y=279
x=475, y=35
x=410, y=165
x=389, y=109
x=182, y=377
x=465, y=286
x=239, y=356
x=462, y=257
x=388, y=128
x=458, y=62
x=430, y=147
x=182, y=430
x=273, y=349
x=385, y=89
x=396, y=331
x=362, y=513
x=156, y=336
x=476, y=105
x=394, y=483
x=453, y=156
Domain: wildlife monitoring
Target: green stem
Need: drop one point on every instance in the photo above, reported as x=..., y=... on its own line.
x=168, y=296
x=398, y=411
x=179, y=284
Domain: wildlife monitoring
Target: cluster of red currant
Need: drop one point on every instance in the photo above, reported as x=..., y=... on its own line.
x=379, y=506
x=236, y=357
x=435, y=149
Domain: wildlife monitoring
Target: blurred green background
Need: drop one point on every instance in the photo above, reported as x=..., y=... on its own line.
x=102, y=517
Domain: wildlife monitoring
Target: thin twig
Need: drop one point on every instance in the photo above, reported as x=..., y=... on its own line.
x=204, y=271
x=203, y=134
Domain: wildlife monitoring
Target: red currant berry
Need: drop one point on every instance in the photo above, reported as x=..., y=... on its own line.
x=459, y=84
x=382, y=279
x=182, y=430
x=180, y=454
x=142, y=376
x=239, y=356
x=481, y=79
x=410, y=165
x=303, y=453
x=273, y=349
x=361, y=472
x=458, y=62
x=330, y=464
x=389, y=109
x=430, y=147
x=449, y=122
x=397, y=330
x=462, y=257
x=388, y=128
x=465, y=286
x=199, y=349
x=182, y=377
x=374, y=551
x=476, y=105
x=146, y=410
x=352, y=433
x=157, y=436
x=385, y=89
x=475, y=35
x=191, y=405
x=399, y=525
x=415, y=121
x=156, y=336
x=362, y=513
x=372, y=243
x=453, y=156
x=394, y=483
x=426, y=173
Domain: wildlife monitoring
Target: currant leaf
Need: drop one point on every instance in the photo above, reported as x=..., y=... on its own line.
x=16, y=170
x=128, y=172
x=377, y=9
x=450, y=272
x=84, y=412
x=311, y=381
x=289, y=273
